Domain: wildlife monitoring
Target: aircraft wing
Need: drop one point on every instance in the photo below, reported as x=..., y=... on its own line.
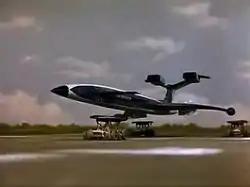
x=193, y=107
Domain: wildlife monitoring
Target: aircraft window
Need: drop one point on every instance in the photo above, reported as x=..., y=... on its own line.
x=83, y=90
x=99, y=89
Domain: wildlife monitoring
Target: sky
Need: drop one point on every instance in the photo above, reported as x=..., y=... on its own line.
x=44, y=44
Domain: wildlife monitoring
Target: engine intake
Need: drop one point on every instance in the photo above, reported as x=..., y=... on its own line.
x=156, y=80
x=191, y=77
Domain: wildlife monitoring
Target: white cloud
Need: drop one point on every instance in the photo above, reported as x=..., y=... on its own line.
x=158, y=93
x=242, y=111
x=75, y=68
x=21, y=22
x=193, y=9
x=180, y=96
x=199, y=12
x=243, y=67
x=27, y=59
x=22, y=107
x=192, y=98
x=164, y=46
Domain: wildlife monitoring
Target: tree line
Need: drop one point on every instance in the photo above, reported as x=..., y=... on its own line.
x=29, y=129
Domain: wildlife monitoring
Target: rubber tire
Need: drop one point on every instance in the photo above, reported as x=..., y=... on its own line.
x=149, y=133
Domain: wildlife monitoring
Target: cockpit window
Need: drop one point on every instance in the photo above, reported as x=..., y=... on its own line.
x=83, y=90
x=101, y=89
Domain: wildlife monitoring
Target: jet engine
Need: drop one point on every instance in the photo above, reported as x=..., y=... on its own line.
x=185, y=112
x=156, y=80
x=193, y=77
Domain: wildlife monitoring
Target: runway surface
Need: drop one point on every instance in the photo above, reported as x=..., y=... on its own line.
x=66, y=160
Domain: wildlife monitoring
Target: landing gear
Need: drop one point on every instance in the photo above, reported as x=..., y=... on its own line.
x=238, y=128
x=142, y=129
x=108, y=128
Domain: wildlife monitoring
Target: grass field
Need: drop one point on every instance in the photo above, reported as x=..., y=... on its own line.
x=163, y=130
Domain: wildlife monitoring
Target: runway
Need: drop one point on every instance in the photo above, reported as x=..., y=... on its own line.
x=66, y=160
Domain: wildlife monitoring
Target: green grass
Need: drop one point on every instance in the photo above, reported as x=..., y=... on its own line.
x=162, y=130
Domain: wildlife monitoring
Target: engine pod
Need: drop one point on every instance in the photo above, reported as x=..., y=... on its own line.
x=157, y=80
x=191, y=77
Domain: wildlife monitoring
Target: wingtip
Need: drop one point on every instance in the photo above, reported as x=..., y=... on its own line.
x=230, y=111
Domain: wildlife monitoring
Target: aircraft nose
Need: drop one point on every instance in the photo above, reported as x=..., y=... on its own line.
x=61, y=91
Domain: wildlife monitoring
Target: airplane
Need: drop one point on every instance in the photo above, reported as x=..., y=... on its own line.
x=134, y=104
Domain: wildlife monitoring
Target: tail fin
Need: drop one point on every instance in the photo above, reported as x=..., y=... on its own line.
x=189, y=78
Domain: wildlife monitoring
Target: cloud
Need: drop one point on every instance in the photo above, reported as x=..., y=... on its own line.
x=27, y=59
x=242, y=111
x=199, y=12
x=21, y=22
x=243, y=67
x=178, y=97
x=22, y=107
x=75, y=68
x=96, y=38
x=164, y=46
x=158, y=93
x=192, y=98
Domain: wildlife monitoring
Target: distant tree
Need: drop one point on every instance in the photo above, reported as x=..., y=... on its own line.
x=223, y=126
x=25, y=125
x=192, y=125
x=72, y=124
x=165, y=126
x=4, y=126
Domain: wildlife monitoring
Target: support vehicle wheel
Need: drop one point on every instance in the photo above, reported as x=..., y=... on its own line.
x=113, y=135
x=121, y=134
x=149, y=133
